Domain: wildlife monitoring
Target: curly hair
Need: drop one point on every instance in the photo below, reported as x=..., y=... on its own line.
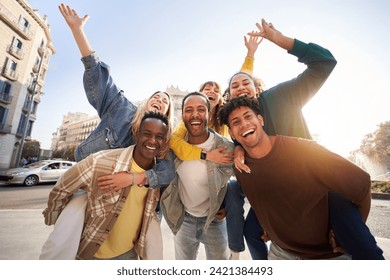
x=235, y=103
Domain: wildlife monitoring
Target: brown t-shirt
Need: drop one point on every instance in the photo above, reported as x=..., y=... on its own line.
x=288, y=190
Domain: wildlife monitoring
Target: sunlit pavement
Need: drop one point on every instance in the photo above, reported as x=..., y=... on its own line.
x=25, y=233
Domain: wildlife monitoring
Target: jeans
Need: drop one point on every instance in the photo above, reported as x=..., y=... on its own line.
x=277, y=253
x=192, y=233
x=234, y=205
x=351, y=233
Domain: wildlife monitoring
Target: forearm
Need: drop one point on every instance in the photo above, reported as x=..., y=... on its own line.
x=247, y=66
x=82, y=42
x=284, y=42
x=162, y=174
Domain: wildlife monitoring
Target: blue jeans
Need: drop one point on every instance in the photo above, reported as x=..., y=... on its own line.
x=351, y=233
x=192, y=233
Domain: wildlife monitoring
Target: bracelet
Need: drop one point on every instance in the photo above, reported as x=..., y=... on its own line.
x=132, y=177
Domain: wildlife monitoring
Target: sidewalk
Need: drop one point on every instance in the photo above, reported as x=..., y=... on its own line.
x=25, y=234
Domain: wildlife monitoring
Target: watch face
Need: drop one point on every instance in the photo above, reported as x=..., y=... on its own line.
x=202, y=155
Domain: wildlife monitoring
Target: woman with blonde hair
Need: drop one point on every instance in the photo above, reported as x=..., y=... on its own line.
x=120, y=122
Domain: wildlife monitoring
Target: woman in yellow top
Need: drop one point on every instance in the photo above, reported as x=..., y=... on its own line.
x=185, y=151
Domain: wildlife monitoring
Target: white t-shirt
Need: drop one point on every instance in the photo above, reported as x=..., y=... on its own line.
x=193, y=182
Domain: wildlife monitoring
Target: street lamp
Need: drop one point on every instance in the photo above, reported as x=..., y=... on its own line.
x=30, y=105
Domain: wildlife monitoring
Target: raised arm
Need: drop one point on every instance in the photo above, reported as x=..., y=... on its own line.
x=319, y=61
x=76, y=25
x=251, y=44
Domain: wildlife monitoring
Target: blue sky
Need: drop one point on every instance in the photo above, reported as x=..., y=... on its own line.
x=150, y=45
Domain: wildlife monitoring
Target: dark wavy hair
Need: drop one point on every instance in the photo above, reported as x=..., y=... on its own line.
x=235, y=103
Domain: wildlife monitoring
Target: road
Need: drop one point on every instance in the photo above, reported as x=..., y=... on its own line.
x=20, y=197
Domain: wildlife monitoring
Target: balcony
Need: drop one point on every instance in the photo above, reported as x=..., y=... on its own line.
x=5, y=128
x=14, y=23
x=5, y=98
x=10, y=74
x=16, y=52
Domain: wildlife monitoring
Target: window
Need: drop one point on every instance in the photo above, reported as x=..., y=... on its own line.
x=12, y=65
x=21, y=125
x=29, y=128
x=34, y=108
x=3, y=115
x=6, y=88
x=5, y=91
x=24, y=23
x=17, y=43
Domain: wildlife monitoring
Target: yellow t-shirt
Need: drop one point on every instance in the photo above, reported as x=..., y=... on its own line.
x=126, y=229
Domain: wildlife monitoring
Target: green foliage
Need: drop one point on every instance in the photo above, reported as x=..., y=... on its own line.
x=31, y=149
x=380, y=186
x=376, y=145
x=67, y=154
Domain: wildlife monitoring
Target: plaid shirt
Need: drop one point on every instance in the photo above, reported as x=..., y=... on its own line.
x=103, y=208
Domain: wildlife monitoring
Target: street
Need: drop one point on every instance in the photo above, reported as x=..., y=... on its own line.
x=21, y=197
x=23, y=232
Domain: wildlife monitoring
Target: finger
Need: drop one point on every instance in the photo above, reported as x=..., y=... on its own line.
x=104, y=178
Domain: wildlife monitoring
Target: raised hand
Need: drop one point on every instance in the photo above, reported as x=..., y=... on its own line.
x=71, y=17
x=251, y=44
x=76, y=25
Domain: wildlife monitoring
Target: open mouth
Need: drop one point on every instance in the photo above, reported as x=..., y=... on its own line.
x=248, y=132
x=211, y=97
x=150, y=148
x=195, y=123
x=243, y=94
x=155, y=105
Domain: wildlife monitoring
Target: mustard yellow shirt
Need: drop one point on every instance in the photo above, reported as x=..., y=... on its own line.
x=126, y=228
x=185, y=151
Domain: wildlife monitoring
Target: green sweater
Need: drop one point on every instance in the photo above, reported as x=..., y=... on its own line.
x=281, y=106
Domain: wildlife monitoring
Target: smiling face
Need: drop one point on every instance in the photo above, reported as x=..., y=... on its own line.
x=212, y=91
x=246, y=127
x=242, y=85
x=151, y=139
x=195, y=117
x=159, y=102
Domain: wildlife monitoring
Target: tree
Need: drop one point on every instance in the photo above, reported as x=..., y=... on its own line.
x=67, y=153
x=376, y=145
x=31, y=149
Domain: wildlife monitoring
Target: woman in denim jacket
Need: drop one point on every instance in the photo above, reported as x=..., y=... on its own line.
x=120, y=120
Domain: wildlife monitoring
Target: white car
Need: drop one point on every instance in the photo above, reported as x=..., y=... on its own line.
x=37, y=172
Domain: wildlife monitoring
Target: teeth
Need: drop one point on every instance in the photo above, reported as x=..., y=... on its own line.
x=150, y=148
x=156, y=106
x=243, y=94
x=195, y=123
x=212, y=98
x=248, y=132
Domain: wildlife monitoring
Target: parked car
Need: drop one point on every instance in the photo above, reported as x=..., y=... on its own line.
x=37, y=172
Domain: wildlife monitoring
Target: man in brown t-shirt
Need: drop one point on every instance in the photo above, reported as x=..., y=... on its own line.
x=289, y=183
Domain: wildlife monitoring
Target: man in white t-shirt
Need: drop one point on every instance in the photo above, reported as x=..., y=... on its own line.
x=192, y=200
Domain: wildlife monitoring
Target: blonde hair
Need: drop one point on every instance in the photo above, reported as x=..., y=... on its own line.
x=142, y=109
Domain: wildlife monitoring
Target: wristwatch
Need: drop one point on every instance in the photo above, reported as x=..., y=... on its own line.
x=203, y=155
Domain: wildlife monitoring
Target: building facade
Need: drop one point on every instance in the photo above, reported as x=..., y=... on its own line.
x=74, y=129
x=25, y=51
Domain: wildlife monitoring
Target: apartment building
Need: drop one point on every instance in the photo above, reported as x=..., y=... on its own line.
x=25, y=51
x=74, y=129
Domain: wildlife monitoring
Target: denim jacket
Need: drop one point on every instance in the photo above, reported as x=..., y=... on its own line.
x=218, y=176
x=116, y=113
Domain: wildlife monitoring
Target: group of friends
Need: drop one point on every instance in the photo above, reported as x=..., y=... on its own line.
x=136, y=168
